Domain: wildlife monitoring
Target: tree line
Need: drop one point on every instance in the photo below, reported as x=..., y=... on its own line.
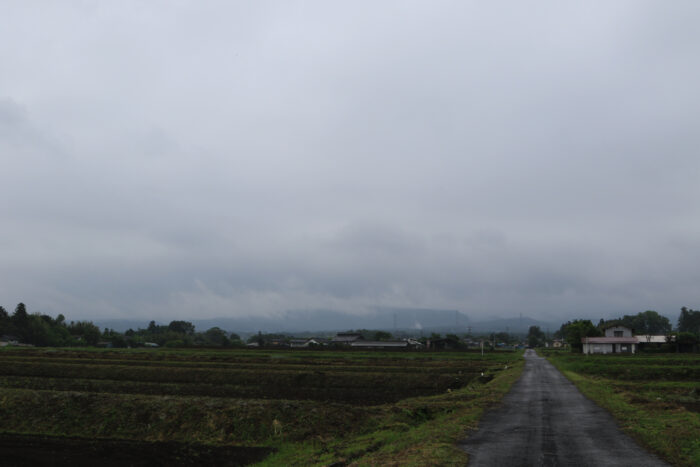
x=45, y=331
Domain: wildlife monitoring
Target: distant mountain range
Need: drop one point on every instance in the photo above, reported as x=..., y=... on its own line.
x=415, y=320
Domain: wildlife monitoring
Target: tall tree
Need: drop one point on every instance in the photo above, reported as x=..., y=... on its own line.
x=574, y=331
x=216, y=336
x=648, y=322
x=6, y=325
x=689, y=321
x=181, y=327
x=20, y=319
x=535, y=337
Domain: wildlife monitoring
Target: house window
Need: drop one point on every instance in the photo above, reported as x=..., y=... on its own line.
x=618, y=333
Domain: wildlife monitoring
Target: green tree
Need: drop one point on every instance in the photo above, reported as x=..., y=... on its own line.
x=381, y=336
x=87, y=332
x=574, y=331
x=216, y=336
x=40, y=332
x=153, y=328
x=6, y=324
x=535, y=337
x=503, y=337
x=648, y=322
x=20, y=321
x=689, y=321
x=181, y=327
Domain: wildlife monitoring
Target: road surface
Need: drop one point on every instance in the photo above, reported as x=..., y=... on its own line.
x=546, y=421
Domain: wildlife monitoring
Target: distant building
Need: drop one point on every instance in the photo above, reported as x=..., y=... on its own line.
x=8, y=340
x=414, y=343
x=386, y=345
x=346, y=338
x=277, y=342
x=443, y=343
x=618, y=339
x=307, y=343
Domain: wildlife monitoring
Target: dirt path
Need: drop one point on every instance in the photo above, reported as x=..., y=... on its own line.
x=546, y=421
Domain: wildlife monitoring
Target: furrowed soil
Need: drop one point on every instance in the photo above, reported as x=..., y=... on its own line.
x=23, y=450
x=223, y=407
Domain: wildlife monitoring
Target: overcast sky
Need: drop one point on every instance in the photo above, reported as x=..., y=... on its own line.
x=194, y=159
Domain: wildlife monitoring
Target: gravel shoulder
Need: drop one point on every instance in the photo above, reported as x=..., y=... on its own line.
x=545, y=421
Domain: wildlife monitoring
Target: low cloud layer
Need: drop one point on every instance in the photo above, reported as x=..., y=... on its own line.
x=201, y=159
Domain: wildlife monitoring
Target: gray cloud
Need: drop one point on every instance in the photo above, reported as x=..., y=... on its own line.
x=214, y=159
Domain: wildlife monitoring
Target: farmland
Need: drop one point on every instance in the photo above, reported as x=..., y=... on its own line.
x=239, y=406
x=654, y=397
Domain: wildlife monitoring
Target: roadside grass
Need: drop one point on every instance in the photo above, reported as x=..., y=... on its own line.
x=661, y=415
x=422, y=431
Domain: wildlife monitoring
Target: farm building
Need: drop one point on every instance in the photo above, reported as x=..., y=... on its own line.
x=8, y=340
x=306, y=343
x=443, y=343
x=385, y=345
x=345, y=338
x=618, y=339
x=647, y=341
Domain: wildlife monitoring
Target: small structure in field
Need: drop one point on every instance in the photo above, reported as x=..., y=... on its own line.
x=618, y=339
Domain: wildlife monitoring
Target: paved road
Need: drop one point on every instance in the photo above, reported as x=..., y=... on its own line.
x=546, y=421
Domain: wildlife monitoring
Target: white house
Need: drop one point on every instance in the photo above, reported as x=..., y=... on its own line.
x=618, y=339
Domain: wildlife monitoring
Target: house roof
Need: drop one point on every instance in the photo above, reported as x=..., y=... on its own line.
x=347, y=338
x=609, y=340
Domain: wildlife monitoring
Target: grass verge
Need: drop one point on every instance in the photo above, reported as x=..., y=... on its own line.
x=422, y=431
x=666, y=428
